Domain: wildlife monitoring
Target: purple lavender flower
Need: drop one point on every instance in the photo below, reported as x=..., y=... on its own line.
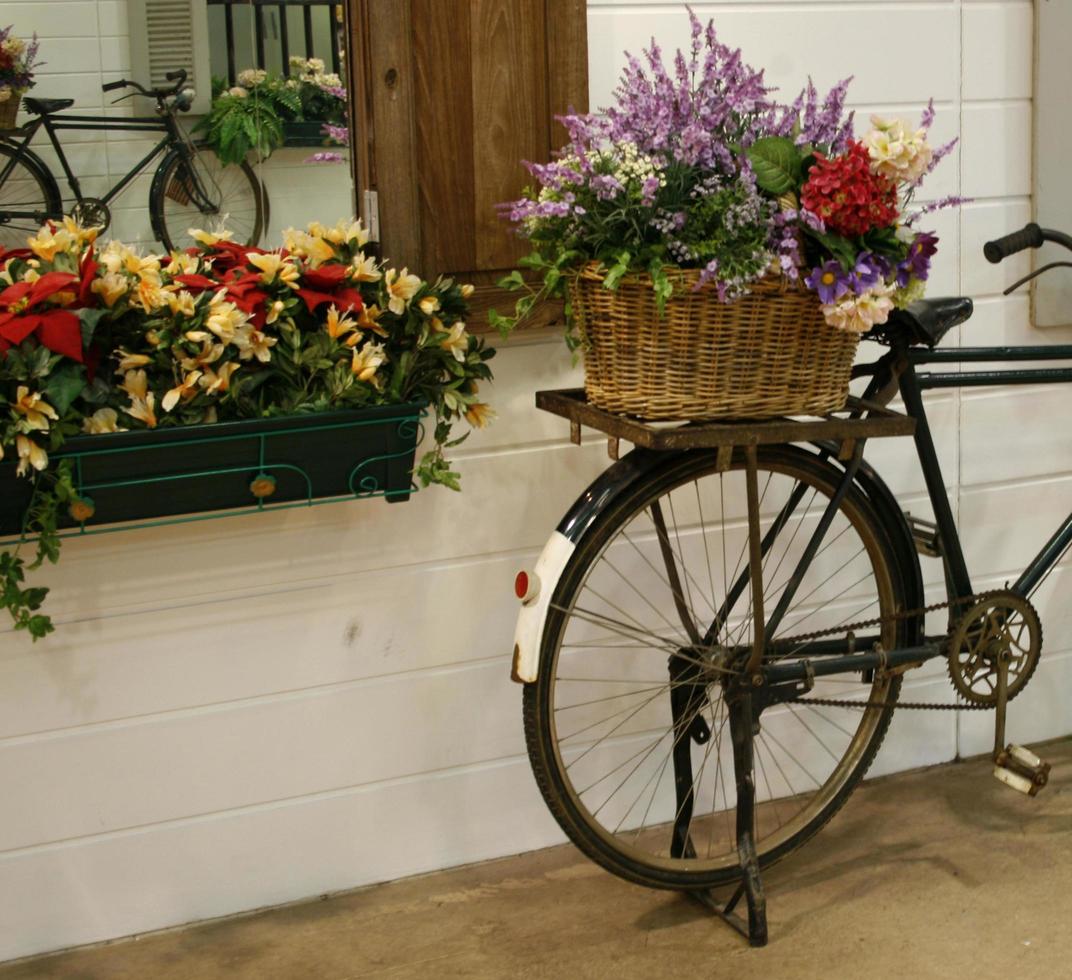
x=830, y=281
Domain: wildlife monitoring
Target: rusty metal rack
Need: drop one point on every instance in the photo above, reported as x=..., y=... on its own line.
x=858, y=420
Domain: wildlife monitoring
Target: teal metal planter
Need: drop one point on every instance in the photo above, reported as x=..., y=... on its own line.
x=199, y=472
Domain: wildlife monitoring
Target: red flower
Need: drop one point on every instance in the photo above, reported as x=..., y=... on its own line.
x=330, y=284
x=58, y=330
x=845, y=193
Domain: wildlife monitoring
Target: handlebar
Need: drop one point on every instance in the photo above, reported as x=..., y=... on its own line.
x=178, y=77
x=1030, y=236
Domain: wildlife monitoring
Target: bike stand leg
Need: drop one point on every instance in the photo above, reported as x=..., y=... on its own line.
x=751, y=886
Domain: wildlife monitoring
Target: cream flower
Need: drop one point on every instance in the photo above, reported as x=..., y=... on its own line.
x=367, y=361
x=479, y=415
x=142, y=401
x=186, y=390
x=429, y=305
x=209, y=353
x=896, y=153
x=858, y=314
x=364, y=268
x=338, y=326
x=209, y=237
x=182, y=303
x=49, y=242
x=224, y=318
x=34, y=409
x=30, y=454
x=217, y=382
x=251, y=342
x=128, y=362
x=401, y=287
x=111, y=287
x=101, y=421
x=273, y=265
x=274, y=311
x=456, y=341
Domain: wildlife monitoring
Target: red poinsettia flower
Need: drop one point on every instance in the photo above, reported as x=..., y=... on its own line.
x=21, y=315
x=330, y=284
x=845, y=193
x=197, y=283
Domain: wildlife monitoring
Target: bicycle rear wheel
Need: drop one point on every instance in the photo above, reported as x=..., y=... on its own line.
x=194, y=190
x=27, y=199
x=599, y=721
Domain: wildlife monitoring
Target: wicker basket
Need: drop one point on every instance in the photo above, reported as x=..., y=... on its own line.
x=766, y=354
x=9, y=109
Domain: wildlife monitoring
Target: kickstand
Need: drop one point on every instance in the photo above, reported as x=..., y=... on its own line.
x=751, y=885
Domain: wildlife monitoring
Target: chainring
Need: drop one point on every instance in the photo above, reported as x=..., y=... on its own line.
x=91, y=212
x=1000, y=623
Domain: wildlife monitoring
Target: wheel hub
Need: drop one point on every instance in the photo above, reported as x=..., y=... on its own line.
x=91, y=212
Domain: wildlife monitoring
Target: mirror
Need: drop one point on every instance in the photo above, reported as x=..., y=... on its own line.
x=278, y=159
x=286, y=62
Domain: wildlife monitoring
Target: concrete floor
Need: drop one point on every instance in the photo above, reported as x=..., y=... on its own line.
x=940, y=873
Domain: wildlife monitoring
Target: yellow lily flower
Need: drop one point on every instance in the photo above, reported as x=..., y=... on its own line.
x=251, y=342
x=478, y=415
x=367, y=361
x=128, y=362
x=186, y=390
x=83, y=236
x=48, y=243
x=142, y=401
x=182, y=303
x=273, y=265
x=111, y=287
x=338, y=326
x=401, y=287
x=224, y=318
x=368, y=319
x=101, y=421
x=34, y=409
x=274, y=311
x=429, y=305
x=364, y=269
x=30, y=454
x=217, y=382
x=209, y=353
x=456, y=341
x=467, y=290
x=209, y=237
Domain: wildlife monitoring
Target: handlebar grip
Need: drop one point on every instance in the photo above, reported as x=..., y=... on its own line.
x=173, y=76
x=112, y=86
x=1030, y=236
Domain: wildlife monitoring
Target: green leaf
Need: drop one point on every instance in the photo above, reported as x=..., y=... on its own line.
x=777, y=164
x=840, y=248
x=513, y=281
x=65, y=384
x=90, y=319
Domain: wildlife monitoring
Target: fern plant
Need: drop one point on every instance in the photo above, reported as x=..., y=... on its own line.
x=243, y=121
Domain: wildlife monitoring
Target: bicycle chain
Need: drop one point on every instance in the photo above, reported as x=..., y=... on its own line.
x=879, y=621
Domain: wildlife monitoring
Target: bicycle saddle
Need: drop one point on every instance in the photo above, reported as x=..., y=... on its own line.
x=927, y=321
x=42, y=107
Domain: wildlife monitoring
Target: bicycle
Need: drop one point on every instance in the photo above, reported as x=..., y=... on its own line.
x=189, y=187
x=680, y=746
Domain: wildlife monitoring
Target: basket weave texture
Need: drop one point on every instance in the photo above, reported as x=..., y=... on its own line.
x=768, y=353
x=9, y=109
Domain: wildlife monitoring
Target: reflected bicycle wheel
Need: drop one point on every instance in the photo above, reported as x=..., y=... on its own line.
x=647, y=612
x=27, y=199
x=198, y=191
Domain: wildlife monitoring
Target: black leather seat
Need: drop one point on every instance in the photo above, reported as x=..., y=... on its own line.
x=42, y=107
x=927, y=321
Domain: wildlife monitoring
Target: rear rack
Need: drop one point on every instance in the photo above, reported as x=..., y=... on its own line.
x=858, y=420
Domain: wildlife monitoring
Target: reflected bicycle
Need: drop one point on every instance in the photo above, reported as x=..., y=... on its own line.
x=190, y=188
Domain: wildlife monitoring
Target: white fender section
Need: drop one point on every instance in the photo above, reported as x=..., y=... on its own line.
x=556, y=553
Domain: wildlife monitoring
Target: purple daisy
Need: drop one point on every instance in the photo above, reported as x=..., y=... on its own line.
x=830, y=281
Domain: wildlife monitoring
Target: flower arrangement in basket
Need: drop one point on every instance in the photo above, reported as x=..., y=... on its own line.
x=104, y=339
x=721, y=253
x=18, y=59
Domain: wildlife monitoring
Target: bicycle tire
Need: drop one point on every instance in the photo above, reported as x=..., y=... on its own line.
x=233, y=198
x=29, y=187
x=648, y=861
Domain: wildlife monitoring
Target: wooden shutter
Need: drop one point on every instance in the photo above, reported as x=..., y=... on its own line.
x=454, y=94
x=166, y=35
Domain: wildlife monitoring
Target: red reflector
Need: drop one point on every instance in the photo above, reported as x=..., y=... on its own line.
x=521, y=585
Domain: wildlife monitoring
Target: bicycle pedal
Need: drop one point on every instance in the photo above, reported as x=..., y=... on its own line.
x=1021, y=769
x=925, y=535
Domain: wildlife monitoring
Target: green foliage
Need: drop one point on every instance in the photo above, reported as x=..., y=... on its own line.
x=777, y=164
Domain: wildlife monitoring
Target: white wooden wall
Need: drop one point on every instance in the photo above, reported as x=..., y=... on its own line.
x=246, y=712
